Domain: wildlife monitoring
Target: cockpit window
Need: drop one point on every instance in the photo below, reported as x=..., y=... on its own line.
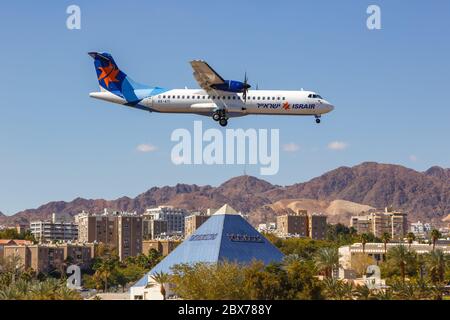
x=315, y=96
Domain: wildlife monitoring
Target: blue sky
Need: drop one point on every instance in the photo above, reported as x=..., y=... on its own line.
x=390, y=88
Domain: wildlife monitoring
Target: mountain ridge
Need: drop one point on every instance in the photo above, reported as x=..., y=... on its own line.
x=424, y=195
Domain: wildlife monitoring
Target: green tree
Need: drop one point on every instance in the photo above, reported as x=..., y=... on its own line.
x=162, y=279
x=364, y=239
x=336, y=289
x=410, y=237
x=435, y=235
x=301, y=281
x=385, y=237
x=327, y=260
x=363, y=292
x=436, y=262
x=400, y=256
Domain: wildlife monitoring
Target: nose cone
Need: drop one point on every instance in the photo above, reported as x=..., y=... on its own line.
x=328, y=107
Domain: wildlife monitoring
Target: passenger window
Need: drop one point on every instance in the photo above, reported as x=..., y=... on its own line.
x=159, y=97
x=259, y=98
x=273, y=98
x=234, y=97
x=284, y=98
x=278, y=98
x=178, y=97
x=182, y=97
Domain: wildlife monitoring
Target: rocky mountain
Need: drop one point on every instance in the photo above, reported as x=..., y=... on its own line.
x=439, y=173
x=339, y=193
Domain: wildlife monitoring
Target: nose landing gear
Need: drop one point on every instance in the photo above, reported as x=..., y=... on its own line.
x=220, y=116
x=317, y=119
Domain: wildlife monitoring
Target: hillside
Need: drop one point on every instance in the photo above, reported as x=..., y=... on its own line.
x=339, y=193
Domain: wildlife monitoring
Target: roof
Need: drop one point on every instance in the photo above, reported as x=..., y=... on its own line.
x=226, y=209
x=14, y=242
x=225, y=236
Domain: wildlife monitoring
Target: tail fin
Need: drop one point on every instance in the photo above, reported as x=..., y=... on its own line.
x=114, y=80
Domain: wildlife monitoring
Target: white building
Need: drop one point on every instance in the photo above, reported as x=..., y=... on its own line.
x=173, y=216
x=421, y=229
x=377, y=251
x=267, y=227
x=59, y=228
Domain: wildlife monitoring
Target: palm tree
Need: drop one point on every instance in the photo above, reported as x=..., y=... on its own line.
x=64, y=293
x=44, y=290
x=435, y=235
x=400, y=256
x=161, y=278
x=364, y=239
x=291, y=258
x=383, y=294
x=104, y=272
x=410, y=237
x=436, y=261
x=327, y=260
x=405, y=291
x=363, y=292
x=385, y=237
x=336, y=289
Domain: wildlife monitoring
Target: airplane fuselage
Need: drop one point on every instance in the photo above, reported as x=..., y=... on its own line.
x=198, y=101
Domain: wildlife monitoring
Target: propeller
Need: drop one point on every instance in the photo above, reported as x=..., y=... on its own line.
x=246, y=87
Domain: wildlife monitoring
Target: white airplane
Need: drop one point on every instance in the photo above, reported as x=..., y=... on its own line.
x=217, y=98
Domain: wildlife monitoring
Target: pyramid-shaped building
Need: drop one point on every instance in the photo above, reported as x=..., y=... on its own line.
x=225, y=236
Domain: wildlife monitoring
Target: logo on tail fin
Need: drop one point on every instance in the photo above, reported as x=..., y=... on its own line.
x=108, y=74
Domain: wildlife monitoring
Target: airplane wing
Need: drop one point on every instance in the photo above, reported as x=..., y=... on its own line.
x=205, y=75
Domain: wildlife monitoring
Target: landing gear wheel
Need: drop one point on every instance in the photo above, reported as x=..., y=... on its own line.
x=223, y=122
x=216, y=116
x=317, y=120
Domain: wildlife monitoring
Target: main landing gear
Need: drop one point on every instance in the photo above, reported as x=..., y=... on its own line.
x=221, y=116
x=317, y=119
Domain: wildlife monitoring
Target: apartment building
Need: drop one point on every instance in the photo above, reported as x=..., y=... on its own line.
x=153, y=229
x=121, y=230
x=173, y=216
x=193, y=222
x=40, y=258
x=302, y=224
x=59, y=228
x=293, y=224
x=317, y=226
x=162, y=246
x=378, y=222
x=48, y=257
x=12, y=242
